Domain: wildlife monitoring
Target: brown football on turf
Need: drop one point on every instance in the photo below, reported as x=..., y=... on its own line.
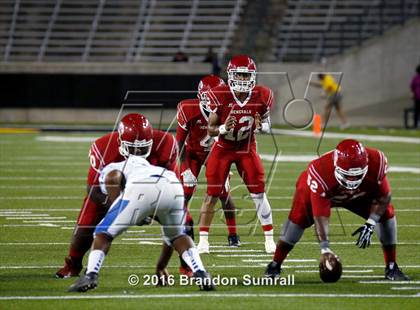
x=330, y=268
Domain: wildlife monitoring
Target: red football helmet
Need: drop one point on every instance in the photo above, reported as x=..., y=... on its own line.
x=350, y=163
x=242, y=73
x=208, y=82
x=135, y=135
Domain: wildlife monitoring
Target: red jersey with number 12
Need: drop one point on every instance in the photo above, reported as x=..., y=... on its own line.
x=225, y=104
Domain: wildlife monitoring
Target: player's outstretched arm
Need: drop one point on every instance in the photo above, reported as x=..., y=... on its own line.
x=162, y=263
x=114, y=183
x=321, y=228
x=95, y=194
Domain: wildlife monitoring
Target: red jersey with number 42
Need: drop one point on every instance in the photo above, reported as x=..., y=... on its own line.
x=105, y=151
x=325, y=190
x=225, y=104
x=192, y=126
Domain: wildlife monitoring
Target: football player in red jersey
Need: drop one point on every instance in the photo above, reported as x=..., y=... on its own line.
x=134, y=136
x=194, y=144
x=238, y=110
x=352, y=177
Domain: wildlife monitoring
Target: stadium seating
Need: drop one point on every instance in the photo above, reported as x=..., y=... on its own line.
x=314, y=29
x=115, y=30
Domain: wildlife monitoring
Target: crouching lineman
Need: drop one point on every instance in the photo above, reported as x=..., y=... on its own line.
x=138, y=190
x=352, y=177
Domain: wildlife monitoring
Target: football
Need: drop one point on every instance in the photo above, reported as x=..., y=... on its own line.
x=330, y=268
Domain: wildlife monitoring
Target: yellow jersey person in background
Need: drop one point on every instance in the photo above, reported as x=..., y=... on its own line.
x=334, y=98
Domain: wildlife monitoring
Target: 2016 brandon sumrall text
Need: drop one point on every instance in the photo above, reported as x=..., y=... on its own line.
x=245, y=280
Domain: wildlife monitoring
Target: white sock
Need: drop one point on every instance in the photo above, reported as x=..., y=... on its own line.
x=269, y=235
x=263, y=208
x=193, y=260
x=96, y=258
x=204, y=235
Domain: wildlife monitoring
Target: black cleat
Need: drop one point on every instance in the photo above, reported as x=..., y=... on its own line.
x=395, y=274
x=84, y=283
x=204, y=281
x=273, y=270
x=234, y=241
x=189, y=228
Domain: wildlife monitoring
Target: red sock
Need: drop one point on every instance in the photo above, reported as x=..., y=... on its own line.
x=282, y=250
x=188, y=217
x=75, y=254
x=267, y=227
x=390, y=253
x=231, y=225
x=204, y=228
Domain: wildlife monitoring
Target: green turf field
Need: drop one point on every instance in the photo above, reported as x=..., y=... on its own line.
x=42, y=184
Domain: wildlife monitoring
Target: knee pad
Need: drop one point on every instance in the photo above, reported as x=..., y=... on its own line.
x=291, y=232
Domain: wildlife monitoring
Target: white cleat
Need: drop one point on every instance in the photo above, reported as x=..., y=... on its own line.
x=203, y=247
x=270, y=246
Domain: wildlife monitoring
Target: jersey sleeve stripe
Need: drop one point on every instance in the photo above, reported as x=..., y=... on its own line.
x=270, y=99
x=317, y=177
x=98, y=154
x=213, y=96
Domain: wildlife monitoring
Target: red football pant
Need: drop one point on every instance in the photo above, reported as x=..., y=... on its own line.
x=247, y=162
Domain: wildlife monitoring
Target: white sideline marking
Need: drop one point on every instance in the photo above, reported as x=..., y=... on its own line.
x=287, y=260
x=65, y=139
x=46, y=218
x=244, y=255
x=44, y=178
x=227, y=247
x=344, y=271
x=332, y=135
x=208, y=295
x=50, y=221
x=354, y=276
x=389, y=282
x=222, y=266
x=308, y=158
x=404, y=288
x=234, y=197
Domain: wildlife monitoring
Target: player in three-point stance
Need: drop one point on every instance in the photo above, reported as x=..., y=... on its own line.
x=134, y=134
x=352, y=177
x=194, y=144
x=137, y=190
x=237, y=110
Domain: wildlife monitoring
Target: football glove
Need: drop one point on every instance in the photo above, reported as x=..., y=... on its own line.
x=189, y=178
x=365, y=234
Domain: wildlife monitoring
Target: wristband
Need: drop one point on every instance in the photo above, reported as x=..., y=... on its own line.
x=371, y=221
x=222, y=129
x=324, y=245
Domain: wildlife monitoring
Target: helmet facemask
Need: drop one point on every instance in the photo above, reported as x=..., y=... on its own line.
x=351, y=178
x=242, y=79
x=204, y=101
x=141, y=148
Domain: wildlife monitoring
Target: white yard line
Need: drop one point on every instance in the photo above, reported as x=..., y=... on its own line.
x=406, y=288
x=332, y=135
x=389, y=282
x=344, y=271
x=209, y=295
